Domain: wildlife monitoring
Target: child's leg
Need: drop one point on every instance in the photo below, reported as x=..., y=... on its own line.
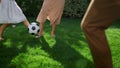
x=41, y=28
x=2, y=28
x=53, y=30
x=26, y=23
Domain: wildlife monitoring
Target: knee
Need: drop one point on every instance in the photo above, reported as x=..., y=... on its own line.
x=85, y=27
x=89, y=28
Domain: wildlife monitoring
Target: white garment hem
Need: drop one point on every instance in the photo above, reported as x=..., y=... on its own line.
x=11, y=22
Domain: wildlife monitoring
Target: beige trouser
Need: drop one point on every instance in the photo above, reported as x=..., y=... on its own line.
x=99, y=16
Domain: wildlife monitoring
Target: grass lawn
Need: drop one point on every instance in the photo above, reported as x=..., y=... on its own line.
x=68, y=50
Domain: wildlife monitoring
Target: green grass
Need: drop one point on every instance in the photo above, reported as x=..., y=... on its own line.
x=68, y=50
x=113, y=35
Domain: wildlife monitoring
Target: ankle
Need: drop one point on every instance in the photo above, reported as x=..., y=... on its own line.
x=1, y=38
x=40, y=33
x=52, y=33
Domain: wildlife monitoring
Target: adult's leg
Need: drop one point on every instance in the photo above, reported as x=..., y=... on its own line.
x=2, y=28
x=94, y=23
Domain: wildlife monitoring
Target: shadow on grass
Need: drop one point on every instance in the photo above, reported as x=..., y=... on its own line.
x=12, y=47
x=67, y=55
x=7, y=54
x=62, y=50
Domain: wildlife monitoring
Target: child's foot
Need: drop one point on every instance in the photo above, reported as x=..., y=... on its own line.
x=1, y=38
x=13, y=25
x=53, y=35
x=39, y=35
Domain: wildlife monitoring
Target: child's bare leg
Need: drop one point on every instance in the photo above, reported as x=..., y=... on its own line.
x=53, y=30
x=26, y=23
x=2, y=28
x=40, y=33
x=41, y=28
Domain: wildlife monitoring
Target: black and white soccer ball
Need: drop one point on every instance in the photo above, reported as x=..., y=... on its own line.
x=33, y=28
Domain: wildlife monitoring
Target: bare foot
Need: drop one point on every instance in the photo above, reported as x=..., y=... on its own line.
x=1, y=38
x=39, y=35
x=53, y=35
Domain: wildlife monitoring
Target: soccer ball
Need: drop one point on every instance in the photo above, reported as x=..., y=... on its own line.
x=33, y=28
